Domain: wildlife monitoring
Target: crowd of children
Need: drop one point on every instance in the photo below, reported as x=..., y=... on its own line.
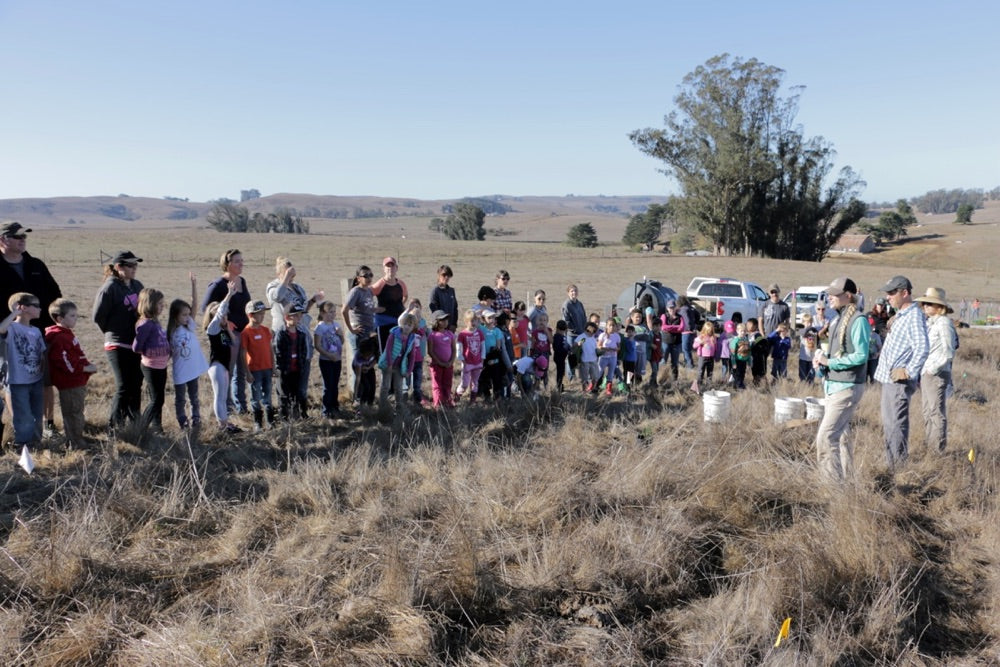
x=501, y=348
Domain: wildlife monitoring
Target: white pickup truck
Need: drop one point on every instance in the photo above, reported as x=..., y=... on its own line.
x=719, y=298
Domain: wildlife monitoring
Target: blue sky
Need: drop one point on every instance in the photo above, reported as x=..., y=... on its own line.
x=448, y=99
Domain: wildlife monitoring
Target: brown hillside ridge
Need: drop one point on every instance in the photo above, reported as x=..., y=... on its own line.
x=532, y=218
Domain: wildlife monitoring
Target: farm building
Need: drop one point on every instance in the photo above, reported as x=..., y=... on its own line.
x=860, y=243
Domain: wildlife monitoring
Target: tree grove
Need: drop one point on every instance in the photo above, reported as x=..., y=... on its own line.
x=750, y=181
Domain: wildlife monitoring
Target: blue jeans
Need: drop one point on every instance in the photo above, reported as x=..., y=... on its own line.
x=304, y=371
x=416, y=380
x=183, y=392
x=238, y=386
x=673, y=353
x=687, y=345
x=260, y=389
x=26, y=403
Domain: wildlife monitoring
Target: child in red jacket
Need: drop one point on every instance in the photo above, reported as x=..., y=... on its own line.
x=68, y=368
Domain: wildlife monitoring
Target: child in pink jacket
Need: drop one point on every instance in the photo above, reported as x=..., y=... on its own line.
x=704, y=346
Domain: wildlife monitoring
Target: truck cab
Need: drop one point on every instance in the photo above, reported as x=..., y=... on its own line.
x=719, y=298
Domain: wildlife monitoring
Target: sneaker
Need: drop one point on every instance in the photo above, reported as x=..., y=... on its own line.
x=50, y=430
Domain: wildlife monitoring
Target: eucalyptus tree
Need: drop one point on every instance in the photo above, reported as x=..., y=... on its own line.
x=750, y=181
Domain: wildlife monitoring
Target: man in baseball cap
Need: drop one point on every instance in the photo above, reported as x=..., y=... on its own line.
x=20, y=272
x=903, y=355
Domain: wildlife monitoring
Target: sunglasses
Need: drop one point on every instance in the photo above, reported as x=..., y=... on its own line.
x=16, y=237
x=32, y=304
x=892, y=292
x=367, y=275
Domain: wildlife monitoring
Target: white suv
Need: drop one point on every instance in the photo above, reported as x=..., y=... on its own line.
x=806, y=298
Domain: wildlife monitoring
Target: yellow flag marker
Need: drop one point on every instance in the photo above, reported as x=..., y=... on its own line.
x=783, y=633
x=972, y=455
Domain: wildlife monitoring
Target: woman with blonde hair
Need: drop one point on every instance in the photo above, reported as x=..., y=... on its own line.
x=845, y=372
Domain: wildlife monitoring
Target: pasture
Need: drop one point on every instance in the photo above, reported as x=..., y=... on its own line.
x=572, y=530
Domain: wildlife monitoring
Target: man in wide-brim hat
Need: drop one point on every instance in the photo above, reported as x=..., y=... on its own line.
x=935, y=379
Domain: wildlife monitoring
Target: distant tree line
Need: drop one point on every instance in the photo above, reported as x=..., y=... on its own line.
x=948, y=201
x=182, y=213
x=119, y=212
x=489, y=206
x=227, y=216
x=604, y=208
x=890, y=225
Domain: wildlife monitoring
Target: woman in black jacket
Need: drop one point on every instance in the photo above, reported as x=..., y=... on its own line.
x=116, y=313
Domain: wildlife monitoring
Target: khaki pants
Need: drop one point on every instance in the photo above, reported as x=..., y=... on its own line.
x=834, y=448
x=71, y=402
x=934, y=394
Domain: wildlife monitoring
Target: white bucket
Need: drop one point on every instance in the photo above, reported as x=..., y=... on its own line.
x=716, y=405
x=814, y=409
x=786, y=409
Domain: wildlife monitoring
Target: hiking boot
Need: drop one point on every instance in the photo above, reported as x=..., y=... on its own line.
x=609, y=388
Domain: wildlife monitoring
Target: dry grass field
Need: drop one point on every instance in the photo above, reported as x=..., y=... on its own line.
x=572, y=530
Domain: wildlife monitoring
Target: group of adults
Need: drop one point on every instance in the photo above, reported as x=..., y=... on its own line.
x=918, y=350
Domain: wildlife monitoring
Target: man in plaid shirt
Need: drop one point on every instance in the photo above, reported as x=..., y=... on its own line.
x=903, y=355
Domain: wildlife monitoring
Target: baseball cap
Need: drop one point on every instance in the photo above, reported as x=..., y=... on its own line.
x=438, y=315
x=895, y=283
x=125, y=257
x=389, y=260
x=255, y=307
x=841, y=285
x=13, y=228
x=296, y=309
x=487, y=313
x=773, y=287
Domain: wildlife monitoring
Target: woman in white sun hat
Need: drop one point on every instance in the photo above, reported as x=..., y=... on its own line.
x=935, y=379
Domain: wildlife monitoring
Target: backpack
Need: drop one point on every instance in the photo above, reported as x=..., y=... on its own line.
x=742, y=347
